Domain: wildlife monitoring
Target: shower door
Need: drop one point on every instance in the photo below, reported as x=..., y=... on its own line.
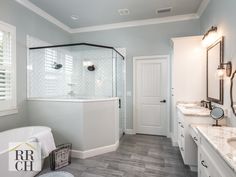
x=120, y=92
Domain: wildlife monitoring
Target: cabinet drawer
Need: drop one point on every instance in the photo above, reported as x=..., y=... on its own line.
x=220, y=168
x=205, y=165
x=203, y=173
x=194, y=135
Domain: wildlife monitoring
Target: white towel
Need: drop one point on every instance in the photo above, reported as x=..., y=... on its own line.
x=47, y=143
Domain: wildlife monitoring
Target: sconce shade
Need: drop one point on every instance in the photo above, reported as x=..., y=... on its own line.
x=220, y=73
x=223, y=71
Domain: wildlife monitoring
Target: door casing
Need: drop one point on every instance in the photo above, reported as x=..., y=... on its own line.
x=168, y=103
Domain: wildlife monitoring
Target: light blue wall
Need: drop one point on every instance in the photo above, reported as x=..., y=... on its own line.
x=26, y=22
x=222, y=14
x=143, y=40
x=140, y=41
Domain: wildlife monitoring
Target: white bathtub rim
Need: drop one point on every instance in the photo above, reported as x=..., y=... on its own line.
x=44, y=127
x=27, y=127
x=94, y=152
x=73, y=100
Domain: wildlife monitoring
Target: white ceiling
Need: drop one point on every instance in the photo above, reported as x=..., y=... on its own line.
x=100, y=12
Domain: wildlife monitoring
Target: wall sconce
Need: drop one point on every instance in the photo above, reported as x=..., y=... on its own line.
x=224, y=69
x=210, y=36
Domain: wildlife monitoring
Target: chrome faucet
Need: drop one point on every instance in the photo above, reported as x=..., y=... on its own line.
x=206, y=104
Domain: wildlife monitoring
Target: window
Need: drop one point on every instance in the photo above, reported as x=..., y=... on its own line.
x=7, y=69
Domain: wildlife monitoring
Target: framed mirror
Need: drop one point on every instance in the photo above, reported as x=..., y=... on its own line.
x=215, y=55
x=233, y=93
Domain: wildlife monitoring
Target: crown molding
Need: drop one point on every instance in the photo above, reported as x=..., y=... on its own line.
x=135, y=23
x=42, y=13
x=202, y=7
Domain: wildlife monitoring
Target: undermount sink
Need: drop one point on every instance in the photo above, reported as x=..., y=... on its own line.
x=232, y=142
x=194, y=107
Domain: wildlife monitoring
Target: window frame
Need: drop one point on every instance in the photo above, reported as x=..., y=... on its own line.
x=13, y=106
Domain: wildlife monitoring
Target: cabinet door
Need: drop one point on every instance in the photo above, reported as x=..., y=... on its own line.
x=203, y=173
x=179, y=133
x=205, y=164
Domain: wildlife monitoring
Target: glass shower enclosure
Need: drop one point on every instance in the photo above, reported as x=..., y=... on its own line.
x=76, y=71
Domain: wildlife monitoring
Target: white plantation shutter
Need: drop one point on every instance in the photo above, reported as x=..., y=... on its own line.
x=7, y=68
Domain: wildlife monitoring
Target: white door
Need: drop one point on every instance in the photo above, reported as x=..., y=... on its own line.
x=151, y=84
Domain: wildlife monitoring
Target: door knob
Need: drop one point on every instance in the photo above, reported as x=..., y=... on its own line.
x=163, y=101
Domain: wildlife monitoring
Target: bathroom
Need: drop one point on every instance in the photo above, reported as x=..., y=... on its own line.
x=140, y=72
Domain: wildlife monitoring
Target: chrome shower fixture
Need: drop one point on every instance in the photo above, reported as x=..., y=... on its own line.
x=57, y=65
x=91, y=68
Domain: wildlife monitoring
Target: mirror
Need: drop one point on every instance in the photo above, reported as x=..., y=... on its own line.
x=217, y=114
x=233, y=93
x=214, y=84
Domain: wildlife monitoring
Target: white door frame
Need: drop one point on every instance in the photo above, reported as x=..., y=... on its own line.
x=168, y=104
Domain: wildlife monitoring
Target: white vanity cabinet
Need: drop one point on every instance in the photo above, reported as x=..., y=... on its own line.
x=188, y=65
x=187, y=146
x=206, y=166
x=210, y=164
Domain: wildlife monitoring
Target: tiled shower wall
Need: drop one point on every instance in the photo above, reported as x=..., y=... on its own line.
x=98, y=83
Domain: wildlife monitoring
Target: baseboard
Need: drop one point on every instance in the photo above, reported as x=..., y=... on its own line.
x=168, y=135
x=94, y=152
x=130, y=132
x=174, y=142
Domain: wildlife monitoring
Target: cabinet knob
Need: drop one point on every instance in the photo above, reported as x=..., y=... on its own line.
x=195, y=139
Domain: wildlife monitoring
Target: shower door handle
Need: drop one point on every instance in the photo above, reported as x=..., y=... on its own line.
x=119, y=103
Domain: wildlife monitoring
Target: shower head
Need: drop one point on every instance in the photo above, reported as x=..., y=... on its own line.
x=57, y=66
x=91, y=68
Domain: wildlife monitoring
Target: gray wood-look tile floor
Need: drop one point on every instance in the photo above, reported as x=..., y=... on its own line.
x=137, y=156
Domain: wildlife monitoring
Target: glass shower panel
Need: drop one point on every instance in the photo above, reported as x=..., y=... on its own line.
x=120, y=91
x=75, y=71
x=46, y=72
x=93, y=72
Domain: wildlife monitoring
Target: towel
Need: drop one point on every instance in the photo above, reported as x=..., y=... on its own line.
x=47, y=143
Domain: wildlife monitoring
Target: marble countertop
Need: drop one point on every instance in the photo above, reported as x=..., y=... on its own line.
x=193, y=109
x=218, y=138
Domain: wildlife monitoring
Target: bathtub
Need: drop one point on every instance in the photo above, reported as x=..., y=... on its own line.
x=16, y=135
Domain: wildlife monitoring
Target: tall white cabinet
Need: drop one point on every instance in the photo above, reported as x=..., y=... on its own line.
x=188, y=74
